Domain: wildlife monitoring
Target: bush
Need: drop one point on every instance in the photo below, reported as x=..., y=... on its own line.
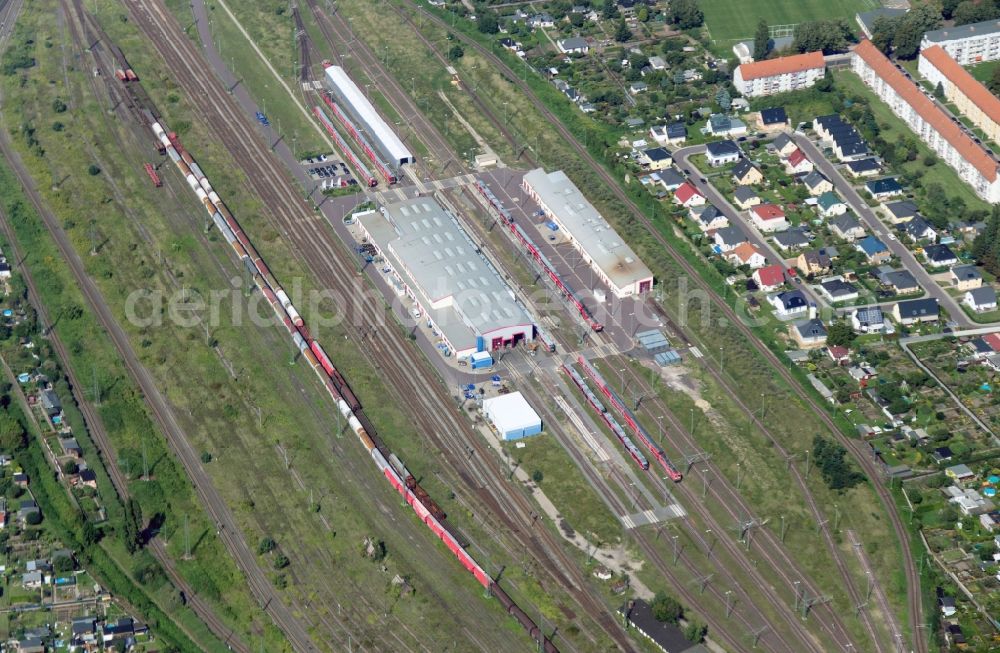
x=33, y=518
x=93, y=170
x=266, y=545
x=206, y=457
x=58, y=105
x=666, y=609
x=281, y=561
x=537, y=476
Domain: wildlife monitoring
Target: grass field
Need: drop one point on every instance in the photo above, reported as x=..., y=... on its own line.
x=729, y=20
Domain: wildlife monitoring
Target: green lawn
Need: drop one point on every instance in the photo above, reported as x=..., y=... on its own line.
x=983, y=71
x=730, y=21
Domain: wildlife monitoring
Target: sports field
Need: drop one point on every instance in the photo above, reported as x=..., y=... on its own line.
x=734, y=20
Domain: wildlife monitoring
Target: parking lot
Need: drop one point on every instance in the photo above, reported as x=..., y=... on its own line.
x=330, y=171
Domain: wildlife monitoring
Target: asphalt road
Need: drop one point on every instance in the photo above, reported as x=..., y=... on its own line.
x=736, y=218
x=879, y=229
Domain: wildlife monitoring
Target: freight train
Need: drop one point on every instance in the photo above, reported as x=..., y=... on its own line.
x=658, y=453
x=312, y=351
x=608, y=418
x=362, y=169
x=522, y=236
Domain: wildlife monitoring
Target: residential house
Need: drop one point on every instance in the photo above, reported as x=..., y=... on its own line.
x=28, y=507
x=798, y=163
x=874, y=249
x=728, y=238
x=88, y=478
x=967, y=44
x=981, y=300
x=745, y=197
x=573, y=45
x=746, y=173
x=823, y=125
x=20, y=479
x=899, y=211
x=32, y=580
x=541, y=20
x=722, y=125
x=671, y=179
x=809, y=333
x=960, y=473
x=884, y=188
x=708, y=217
x=813, y=262
x=773, y=119
x=900, y=282
x=969, y=501
x=720, y=153
x=971, y=98
x=784, y=145
x=656, y=62
x=659, y=134
x=868, y=319
x=746, y=254
x=656, y=158
x=779, y=75
x=687, y=195
x=938, y=256
x=791, y=239
x=51, y=403
x=847, y=227
x=864, y=167
x=676, y=133
x=850, y=149
x=788, y=304
x=838, y=290
x=817, y=183
x=71, y=447
x=915, y=311
x=993, y=340
x=966, y=277
x=768, y=217
x=917, y=229
x=830, y=205
x=637, y=87
x=947, y=604
x=839, y=354
x=769, y=277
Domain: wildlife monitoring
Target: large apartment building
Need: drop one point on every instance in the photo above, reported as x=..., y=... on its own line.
x=967, y=44
x=971, y=98
x=779, y=75
x=970, y=160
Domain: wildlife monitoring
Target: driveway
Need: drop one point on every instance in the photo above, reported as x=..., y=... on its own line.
x=736, y=218
x=875, y=226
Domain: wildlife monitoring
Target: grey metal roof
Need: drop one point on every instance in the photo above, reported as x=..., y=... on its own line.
x=845, y=222
x=731, y=235
x=984, y=295
x=596, y=237
x=899, y=279
x=744, y=193
x=811, y=329
x=436, y=253
x=963, y=31
x=966, y=272
x=918, y=307
x=867, y=18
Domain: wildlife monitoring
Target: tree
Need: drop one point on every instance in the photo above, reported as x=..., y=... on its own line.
x=132, y=526
x=975, y=11
x=643, y=14
x=12, y=435
x=33, y=518
x=685, y=14
x=266, y=545
x=456, y=52
x=281, y=561
x=537, y=476
x=63, y=564
x=824, y=84
x=986, y=246
x=695, y=632
x=93, y=170
x=840, y=334
x=58, y=105
x=910, y=30
x=826, y=35
x=836, y=471
x=884, y=32
x=761, y=41
x=723, y=99
x=939, y=91
x=622, y=32
x=69, y=467
x=610, y=9
x=994, y=82
x=488, y=23
x=665, y=609
x=948, y=8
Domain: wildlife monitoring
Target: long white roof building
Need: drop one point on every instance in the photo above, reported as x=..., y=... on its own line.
x=601, y=246
x=360, y=108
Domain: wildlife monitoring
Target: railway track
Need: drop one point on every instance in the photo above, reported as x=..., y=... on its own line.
x=436, y=144
x=914, y=598
x=326, y=258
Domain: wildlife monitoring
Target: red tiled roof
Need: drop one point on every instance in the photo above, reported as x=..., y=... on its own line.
x=771, y=275
x=966, y=83
x=685, y=192
x=782, y=65
x=993, y=340
x=797, y=157
x=837, y=352
x=745, y=251
x=768, y=211
x=927, y=109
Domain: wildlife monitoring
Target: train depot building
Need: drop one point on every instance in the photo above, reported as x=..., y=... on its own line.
x=431, y=259
x=512, y=416
x=601, y=247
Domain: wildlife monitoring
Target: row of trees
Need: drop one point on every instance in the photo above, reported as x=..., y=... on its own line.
x=986, y=247
x=837, y=472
